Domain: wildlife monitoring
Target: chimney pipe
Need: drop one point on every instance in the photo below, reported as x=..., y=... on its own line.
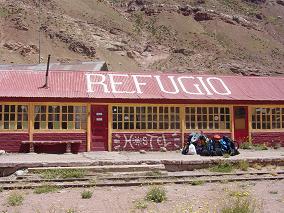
x=46, y=74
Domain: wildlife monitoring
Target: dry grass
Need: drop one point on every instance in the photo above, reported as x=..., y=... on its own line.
x=141, y=204
x=45, y=189
x=61, y=173
x=243, y=165
x=86, y=194
x=223, y=167
x=156, y=194
x=15, y=199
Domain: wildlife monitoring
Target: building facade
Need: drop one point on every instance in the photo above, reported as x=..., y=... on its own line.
x=111, y=111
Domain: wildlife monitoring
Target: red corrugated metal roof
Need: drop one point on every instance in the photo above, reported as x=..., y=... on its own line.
x=113, y=85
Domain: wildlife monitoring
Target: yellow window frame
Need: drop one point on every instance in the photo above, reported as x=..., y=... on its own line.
x=16, y=117
x=147, y=121
x=82, y=126
x=254, y=118
x=196, y=121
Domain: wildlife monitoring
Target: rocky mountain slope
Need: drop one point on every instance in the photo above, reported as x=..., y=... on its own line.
x=202, y=36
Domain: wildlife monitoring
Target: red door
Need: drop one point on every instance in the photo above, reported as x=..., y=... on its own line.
x=99, y=128
x=241, y=130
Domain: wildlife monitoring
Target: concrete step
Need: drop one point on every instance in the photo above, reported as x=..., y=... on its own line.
x=108, y=168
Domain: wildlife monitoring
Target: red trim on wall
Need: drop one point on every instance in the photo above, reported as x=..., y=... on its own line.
x=11, y=142
x=268, y=138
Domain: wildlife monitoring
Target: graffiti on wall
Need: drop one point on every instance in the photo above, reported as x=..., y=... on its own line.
x=147, y=141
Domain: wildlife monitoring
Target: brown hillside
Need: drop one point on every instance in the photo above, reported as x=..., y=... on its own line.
x=206, y=36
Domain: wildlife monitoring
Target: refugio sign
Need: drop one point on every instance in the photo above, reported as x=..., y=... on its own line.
x=169, y=84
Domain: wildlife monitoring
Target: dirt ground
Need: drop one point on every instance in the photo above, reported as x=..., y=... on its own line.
x=267, y=195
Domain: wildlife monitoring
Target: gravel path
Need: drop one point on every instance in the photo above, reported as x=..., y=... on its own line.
x=268, y=196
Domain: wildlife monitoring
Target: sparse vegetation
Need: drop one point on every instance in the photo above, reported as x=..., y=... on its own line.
x=1, y=189
x=150, y=25
x=141, y=204
x=244, y=7
x=62, y=173
x=246, y=145
x=86, y=194
x=138, y=23
x=243, y=165
x=226, y=155
x=197, y=182
x=257, y=166
x=273, y=192
x=156, y=194
x=260, y=147
x=93, y=181
x=15, y=199
x=272, y=19
x=273, y=173
x=71, y=211
x=239, y=194
x=155, y=173
x=4, y=12
x=225, y=181
x=45, y=189
x=222, y=167
x=249, y=145
x=239, y=205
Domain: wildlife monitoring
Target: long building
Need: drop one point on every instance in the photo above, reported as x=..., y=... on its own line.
x=112, y=111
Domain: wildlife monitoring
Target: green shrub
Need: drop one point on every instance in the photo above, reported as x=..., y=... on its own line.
x=222, y=167
x=243, y=165
x=156, y=194
x=1, y=189
x=86, y=194
x=15, y=199
x=45, y=189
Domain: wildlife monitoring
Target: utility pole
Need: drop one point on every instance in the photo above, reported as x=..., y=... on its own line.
x=39, y=28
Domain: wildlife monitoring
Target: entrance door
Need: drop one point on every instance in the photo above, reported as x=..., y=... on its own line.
x=241, y=130
x=99, y=126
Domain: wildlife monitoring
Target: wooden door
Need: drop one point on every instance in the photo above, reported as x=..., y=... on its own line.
x=99, y=128
x=241, y=129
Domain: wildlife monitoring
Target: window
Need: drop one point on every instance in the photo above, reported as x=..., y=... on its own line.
x=207, y=118
x=13, y=117
x=145, y=117
x=60, y=117
x=267, y=118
